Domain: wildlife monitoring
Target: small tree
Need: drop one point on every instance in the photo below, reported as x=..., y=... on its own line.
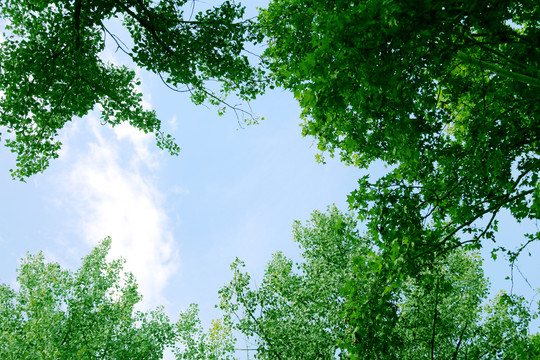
x=89, y=314
x=59, y=314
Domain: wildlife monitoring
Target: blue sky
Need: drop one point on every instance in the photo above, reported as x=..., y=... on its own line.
x=180, y=221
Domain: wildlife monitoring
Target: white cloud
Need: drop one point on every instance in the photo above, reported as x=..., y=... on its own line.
x=117, y=198
x=173, y=123
x=110, y=185
x=141, y=142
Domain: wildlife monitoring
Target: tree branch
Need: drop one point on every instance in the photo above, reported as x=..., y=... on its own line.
x=77, y=18
x=459, y=342
x=499, y=70
x=434, y=320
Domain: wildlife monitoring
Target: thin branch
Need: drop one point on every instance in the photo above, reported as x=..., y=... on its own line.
x=516, y=253
x=170, y=87
x=117, y=40
x=152, y=30
x=498, y=53
x=491, y=220
x=505, y=199
x=252, y=53
x=434, y=320
x=523, y=276
x=459, y=342
x=266, y=338
x=443, y=197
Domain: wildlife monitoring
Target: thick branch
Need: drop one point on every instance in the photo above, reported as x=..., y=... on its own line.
x=499, y=70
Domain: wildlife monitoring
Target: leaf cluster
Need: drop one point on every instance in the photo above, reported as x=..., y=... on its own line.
x=58, y=314
x=295, y=312
x=52, y=69
x=91, y=314
x=334, y=305
x=444, y=93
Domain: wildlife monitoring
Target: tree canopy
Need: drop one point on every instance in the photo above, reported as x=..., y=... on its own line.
x=59, y=314
x=303, y=311
x=51, y=69
x=55, y=313
x=444, y=93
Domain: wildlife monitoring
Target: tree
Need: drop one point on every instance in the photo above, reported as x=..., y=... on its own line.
x=295, y=313
x=216, y=344
x=444, y=315
x=444, y=93
x=304, y=311
x=51, y=69
x=58, y=314
x=90, y=314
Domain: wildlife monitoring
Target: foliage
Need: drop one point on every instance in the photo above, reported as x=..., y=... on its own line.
x=52, y=71
x=444, y=93
x=90, y=314
x=58, y=314
x=442, y=315
x=216, y=344
x=321, y=308
x=296, y=314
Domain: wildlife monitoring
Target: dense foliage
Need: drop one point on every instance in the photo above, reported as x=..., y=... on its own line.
x=52, y=69
x=445, y=93
x=90, y=314
x=58, y=314
x=301, y=312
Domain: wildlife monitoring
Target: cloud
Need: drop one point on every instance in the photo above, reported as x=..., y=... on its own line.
x=115, y=196
x=173, y=123
x=111, y=186
x=141, y=143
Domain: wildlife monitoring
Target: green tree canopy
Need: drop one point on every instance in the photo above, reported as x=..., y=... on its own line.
x=296, y=312
x=58, y=314
x=90, y=314
x=304, y=311
x=444, y=93
x=51, y=69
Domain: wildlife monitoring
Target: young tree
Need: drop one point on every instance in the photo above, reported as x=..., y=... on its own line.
x=445, y=93
x=58, y=314
x=90, y=314
x=444, y=315
x=321, y=309
x=51, y=69
x=296, y=313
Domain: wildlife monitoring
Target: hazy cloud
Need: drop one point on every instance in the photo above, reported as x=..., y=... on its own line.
x=115, y=196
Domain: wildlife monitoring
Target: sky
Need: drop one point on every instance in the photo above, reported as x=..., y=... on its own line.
x=234, y=191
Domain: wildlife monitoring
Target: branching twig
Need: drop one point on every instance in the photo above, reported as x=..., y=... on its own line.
x=117, y=40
